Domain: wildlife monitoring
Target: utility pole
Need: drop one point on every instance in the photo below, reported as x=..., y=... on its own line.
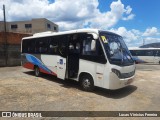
x=5, y=37
x=143, y=41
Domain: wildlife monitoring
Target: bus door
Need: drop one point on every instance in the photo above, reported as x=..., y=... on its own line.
x=157, y=57
x=73, y=56
x=61, y=58
x=61, y=67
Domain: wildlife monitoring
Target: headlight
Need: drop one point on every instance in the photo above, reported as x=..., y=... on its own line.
x=117, y=72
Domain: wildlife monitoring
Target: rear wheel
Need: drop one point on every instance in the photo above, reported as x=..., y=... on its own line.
x=86, y=82
x=37, y=71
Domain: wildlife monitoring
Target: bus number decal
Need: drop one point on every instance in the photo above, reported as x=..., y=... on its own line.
x=104, y=39
x=61, y=61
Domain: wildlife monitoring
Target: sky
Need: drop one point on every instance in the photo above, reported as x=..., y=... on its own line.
x=135, y=20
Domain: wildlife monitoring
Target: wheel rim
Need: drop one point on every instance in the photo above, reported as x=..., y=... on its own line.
x=86, y=83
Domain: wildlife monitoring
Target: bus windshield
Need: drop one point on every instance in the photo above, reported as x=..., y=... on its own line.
x=116, y=49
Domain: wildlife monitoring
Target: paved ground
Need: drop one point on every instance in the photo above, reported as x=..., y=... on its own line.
x=20, y=90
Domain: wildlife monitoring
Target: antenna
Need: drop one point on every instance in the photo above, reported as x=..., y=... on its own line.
x=143, y=41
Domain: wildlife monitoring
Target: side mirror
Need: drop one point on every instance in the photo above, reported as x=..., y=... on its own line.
x=93, y=45
x=95, y=36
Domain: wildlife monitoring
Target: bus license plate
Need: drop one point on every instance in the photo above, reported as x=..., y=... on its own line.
x=129, y=81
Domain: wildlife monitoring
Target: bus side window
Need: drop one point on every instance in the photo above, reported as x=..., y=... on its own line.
x=133, y=52
x=31, y=46
x=87, y=46
x=62, y=44
x=96, y=55
x=158, y=54
x=25, y=46
x=53, y=46
x=149, y=53
x=41, y=45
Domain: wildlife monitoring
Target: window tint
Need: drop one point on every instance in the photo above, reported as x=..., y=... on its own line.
x=55, y=28
x=149, y=53
x=96, y=55
x=42, y=45
x=87, y=46
x=48, y=26
x=28, y=25
x=53, y=46
x=62, y=44
x=14, y=26
x=157, y=53
x=133, y=52
x=25, y=46
x=138, y=53
x=143, y=52
x=31, y=46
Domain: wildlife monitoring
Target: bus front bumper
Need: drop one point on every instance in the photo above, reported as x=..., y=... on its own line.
x=117, y=83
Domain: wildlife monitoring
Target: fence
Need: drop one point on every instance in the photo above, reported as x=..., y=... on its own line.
x=13, y=56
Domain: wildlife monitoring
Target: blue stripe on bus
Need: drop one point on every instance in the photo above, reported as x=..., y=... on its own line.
x=32, y=59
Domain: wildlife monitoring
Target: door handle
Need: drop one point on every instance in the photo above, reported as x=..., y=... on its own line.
x=60, y=68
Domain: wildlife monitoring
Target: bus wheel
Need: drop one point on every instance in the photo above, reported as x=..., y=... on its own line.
x=159, y=62
x=86, y=82
x=37, y=71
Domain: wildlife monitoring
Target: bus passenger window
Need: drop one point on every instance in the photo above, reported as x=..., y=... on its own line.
x=41, y=46
x=53, y=47
x=62, y=49
x=87, y=47
x=31, y=47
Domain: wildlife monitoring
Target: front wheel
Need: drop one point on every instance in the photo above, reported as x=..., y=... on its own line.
x=87, y=83
x=37, y=71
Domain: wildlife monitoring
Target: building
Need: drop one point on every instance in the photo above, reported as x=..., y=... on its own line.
x=151, y=45
x=30, y=27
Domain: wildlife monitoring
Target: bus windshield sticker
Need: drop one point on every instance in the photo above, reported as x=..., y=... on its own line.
x=104, y=39
x=61, y=61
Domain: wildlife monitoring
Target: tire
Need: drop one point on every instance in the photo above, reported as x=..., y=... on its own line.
x=86, y=82
x=37, y=71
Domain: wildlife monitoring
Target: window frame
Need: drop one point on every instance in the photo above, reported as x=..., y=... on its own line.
x=27, y=26
x=14, y=26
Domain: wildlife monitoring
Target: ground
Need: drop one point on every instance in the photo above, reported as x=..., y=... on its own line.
x=20, y=90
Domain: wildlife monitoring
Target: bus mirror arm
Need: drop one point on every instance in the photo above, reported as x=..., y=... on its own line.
x=93, y=45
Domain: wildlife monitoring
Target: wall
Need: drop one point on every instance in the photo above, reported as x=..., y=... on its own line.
x=13, y=49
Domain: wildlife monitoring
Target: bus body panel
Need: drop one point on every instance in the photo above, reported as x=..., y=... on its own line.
x=96, y=70
x=61, y=67
x=31, y=60
x=157, y=59
x=115, y=82
x=50, y=61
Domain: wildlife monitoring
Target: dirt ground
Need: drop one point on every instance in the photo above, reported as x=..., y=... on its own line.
x=20, y=90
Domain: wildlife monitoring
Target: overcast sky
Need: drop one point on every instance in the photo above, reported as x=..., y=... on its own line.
x=135, y=20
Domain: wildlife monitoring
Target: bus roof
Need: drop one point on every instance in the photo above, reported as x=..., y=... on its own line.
x=50, y=33
x=136, y=48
